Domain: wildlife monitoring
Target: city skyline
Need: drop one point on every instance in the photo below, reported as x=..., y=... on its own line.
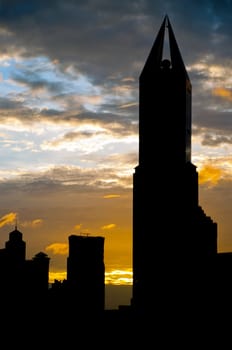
x=69, y=119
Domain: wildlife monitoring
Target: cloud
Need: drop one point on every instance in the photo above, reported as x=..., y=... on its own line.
x=117, y=277
x=58, y=248
x=108, y=227
x=65, y=178
x=210, y=174
x=215, y=140
x=78, y=226
x=112, y=196
x=33, y=224
x=8, y=219
x=224, y=93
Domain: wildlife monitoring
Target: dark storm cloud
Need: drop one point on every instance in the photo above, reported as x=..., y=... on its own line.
x=105, y=37
x=109, y=40
x=86, y=34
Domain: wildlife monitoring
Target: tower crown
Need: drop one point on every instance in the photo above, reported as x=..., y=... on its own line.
x=165, y=96
x=157, y=61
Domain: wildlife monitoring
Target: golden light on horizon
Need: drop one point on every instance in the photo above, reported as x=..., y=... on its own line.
x=59, y=276
x=115, y=277
x=119, y=277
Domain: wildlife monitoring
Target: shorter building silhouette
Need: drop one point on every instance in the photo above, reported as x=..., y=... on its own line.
x=83, y=292
x=22, y=281
x=24, y=284
x=86, y=271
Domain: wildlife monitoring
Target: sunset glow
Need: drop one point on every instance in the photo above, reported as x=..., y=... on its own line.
x=69, y=108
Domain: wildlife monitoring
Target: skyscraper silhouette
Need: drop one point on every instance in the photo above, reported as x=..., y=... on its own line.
x=174, y=241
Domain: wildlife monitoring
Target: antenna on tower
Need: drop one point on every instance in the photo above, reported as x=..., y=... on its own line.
x=166, y=21
x=16, y=221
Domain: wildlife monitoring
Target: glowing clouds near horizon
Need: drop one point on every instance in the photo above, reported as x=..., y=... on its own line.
x=114, y=277
x=119, y=277
x=57, y=275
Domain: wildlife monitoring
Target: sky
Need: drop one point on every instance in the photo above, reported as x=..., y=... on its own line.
x=69, y=73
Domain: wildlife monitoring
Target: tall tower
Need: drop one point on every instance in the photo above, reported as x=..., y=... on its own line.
x=172, y=236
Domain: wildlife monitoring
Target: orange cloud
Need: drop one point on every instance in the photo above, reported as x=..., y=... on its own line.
x=77, y=227
x=33, y=223
x=37, y=222
x=224, y=93
x=119, y=277
x=58, y=248
x=108, y=227
x=8, y=219
x=111, y=196
x=209, y=174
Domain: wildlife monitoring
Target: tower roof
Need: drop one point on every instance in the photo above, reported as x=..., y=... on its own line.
x=155, y=57
x=15, y=234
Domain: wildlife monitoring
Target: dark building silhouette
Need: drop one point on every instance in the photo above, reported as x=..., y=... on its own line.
x=174, y=241
x=24, y=284
x=86, y=272
x=22, y=279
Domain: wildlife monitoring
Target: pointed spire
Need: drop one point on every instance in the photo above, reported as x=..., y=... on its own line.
x=16, y=221
x=155, y=57
x=176, y=58
x=156, y=53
